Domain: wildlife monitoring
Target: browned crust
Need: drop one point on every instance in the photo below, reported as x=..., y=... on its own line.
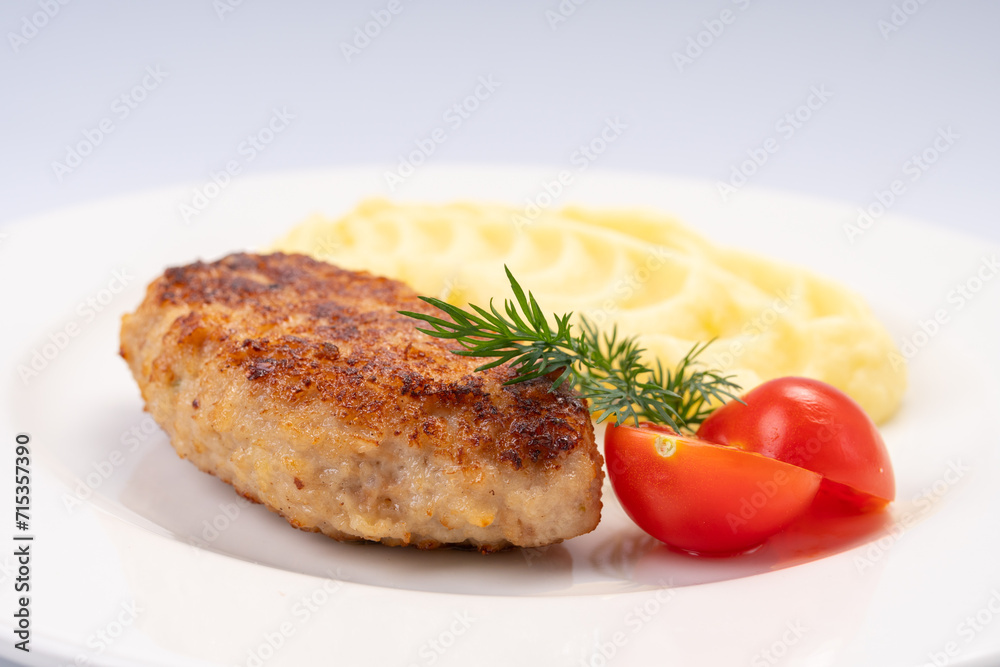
x=305, y=333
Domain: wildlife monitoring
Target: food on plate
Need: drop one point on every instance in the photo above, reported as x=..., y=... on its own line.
x=652, y=276
x=299, y=383
x=311, y=389
x=754, y=466
x=700, y=497
x=811, y=425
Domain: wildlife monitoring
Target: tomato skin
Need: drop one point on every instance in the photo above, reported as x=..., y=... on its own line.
x=703, y=497
x=813, y=425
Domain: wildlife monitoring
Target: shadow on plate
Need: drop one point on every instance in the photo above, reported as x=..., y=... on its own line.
x=633, y=555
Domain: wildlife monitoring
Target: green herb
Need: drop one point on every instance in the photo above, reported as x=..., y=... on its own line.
x=604, y=369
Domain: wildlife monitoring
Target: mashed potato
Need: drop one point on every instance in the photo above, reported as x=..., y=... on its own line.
x=645, y=272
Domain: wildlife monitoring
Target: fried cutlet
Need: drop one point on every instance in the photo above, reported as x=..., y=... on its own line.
x=300, y=384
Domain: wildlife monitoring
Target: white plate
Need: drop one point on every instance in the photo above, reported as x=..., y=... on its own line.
x=215, y=581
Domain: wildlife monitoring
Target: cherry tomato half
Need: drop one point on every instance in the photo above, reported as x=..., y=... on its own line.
x=700, y=496
x=813, y=425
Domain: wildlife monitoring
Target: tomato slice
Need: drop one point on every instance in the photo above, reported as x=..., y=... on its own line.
x=702, y=497
x=813, y=425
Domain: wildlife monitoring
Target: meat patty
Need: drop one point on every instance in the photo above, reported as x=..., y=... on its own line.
x=299, y=383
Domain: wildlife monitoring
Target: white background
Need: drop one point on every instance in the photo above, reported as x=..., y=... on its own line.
x=891, y=92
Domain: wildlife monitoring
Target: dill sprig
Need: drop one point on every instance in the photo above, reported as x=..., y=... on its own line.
x=607, y=370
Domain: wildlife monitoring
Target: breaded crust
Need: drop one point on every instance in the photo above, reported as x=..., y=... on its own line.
x=299, y=383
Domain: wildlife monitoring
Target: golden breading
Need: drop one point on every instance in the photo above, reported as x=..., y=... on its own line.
x=299, y=383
